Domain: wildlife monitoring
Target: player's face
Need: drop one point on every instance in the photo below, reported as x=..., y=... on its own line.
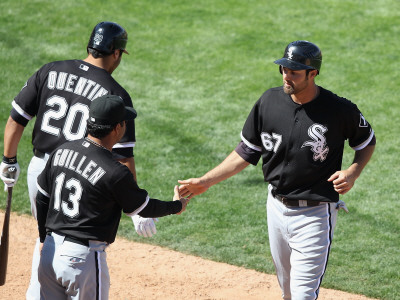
x=122, y=129
x=294, y=81
x=117, y=56
x=119, y=131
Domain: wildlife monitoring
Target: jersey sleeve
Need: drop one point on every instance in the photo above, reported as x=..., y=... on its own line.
x=25, y=105
x=251, y=130
x=135, y=200
x=43, y=200
x=127, y=193
x=358, y=131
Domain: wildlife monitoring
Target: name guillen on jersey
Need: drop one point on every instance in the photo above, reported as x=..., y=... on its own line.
x=74, y=161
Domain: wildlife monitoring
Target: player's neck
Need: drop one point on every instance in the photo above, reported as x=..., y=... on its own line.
x=101, y=143
x=99, y=62
x=306, y=95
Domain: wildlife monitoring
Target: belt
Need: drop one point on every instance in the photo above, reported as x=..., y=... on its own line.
x=294, y=203
x=38, y=153
x=75, y=240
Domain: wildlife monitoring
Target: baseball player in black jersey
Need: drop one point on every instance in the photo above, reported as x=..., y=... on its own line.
x=59, y=95
x=299, y=131
x=82, y=191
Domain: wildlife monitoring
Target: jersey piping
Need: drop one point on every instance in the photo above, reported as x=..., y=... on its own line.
x=138, y=210
x=21, y=111
x=366, y=143
x=250, y=145
x=42, y=190
x=125, y=145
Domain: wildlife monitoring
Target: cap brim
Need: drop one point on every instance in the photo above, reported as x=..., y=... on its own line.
x=293, y=65
x=130, y=113
x=123, y=50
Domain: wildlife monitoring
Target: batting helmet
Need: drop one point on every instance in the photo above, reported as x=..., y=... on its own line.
x=301, y=55
x=107, y=37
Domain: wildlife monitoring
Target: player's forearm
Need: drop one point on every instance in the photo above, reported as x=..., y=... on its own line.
x=12, y=136
x=232, y=165
x=361, y=158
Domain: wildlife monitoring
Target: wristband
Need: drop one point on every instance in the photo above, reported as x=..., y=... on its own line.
x=10, y=160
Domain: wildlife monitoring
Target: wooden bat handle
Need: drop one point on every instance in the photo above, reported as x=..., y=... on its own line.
x=5, y=239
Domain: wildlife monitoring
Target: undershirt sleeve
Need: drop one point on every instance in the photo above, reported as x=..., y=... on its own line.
x=18, y=118
x=248, y=154
x=157, y=208
x=42, y=204
x=373, y=141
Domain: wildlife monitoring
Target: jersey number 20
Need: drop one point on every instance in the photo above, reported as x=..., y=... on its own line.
x=71, y=115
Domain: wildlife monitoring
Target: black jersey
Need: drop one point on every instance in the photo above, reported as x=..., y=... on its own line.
x=82, y=191
x=302, y=145
x=59, y=95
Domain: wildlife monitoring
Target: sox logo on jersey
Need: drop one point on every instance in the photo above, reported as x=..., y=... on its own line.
x=318, y=144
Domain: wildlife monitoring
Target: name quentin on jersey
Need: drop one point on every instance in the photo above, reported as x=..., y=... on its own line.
x=74, y=84
x=87, y=169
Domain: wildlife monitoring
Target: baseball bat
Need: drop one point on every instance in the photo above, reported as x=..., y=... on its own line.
x=4, y=239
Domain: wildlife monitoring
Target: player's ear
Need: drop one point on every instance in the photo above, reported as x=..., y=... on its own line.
x=117, y=53
x=119, y=126
x=313, y=74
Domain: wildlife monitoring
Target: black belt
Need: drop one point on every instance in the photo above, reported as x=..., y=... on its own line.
x=75, y=240
x=38, y=153
x=294, y=203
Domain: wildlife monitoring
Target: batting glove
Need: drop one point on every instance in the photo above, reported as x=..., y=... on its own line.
x=145, y=226
x=9, y=171
x=341, y=205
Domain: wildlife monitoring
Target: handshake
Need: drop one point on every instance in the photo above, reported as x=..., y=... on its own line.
x=146, y=227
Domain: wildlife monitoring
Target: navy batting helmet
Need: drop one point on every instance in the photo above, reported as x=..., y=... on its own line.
x=107, y=37
x=301, y=55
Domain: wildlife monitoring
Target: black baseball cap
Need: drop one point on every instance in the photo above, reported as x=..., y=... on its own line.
x=110, y=110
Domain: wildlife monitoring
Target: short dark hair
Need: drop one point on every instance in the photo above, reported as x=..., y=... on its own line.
x=100, y=131
x=95, y=53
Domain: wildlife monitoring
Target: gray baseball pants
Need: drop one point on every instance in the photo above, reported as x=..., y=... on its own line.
x=300, y=239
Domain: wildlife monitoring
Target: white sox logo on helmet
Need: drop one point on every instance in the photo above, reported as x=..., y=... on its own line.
x=98, y=38
x=318, y=144
x=290, y=53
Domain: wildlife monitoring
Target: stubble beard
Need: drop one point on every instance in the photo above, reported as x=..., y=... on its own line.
x=288, y=89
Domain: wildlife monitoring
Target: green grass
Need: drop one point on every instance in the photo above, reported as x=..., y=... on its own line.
x=194, y=72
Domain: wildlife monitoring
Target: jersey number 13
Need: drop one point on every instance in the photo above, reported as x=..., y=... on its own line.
x=71, y=208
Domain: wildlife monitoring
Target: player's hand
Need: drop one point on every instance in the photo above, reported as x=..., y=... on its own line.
x=9, y=173
x=191, y=187
x=342, y=181
x=177, y=197
x=145, y=227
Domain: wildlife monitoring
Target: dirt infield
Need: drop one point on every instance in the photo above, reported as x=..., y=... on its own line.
x=141, y=271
